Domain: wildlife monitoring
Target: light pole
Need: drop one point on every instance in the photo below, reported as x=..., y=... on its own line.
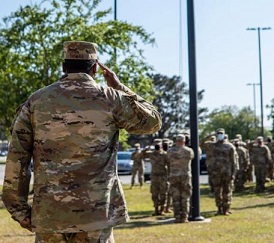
x=260, y=70
x=195, y=166
x=254, y=100
x=115, y=9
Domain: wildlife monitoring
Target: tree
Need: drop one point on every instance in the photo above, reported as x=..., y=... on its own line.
x=31, y=49
x=233, y=120
x=172, y=101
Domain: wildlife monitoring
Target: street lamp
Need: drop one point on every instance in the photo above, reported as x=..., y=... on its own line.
x=254, y=100
x=115, y=9
x=260, y=69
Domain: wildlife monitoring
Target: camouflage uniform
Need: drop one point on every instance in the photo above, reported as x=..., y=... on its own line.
x=166, y=145
x=262, y=159
x=243, y=166
x=180, y=179
x=210, y=162
x=71, y=129
x=159, y=173
x=138, y=166
x=223, y=172
x=270, y=145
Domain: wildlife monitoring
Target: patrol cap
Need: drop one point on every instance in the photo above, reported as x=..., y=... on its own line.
x=137, y=145
x=180, y=137
x=220, y=130
x=157, y=141
x=239, y=136
x=80, y=50
x=260, y=138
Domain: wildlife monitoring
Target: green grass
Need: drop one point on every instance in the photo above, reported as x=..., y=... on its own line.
x=252, y=220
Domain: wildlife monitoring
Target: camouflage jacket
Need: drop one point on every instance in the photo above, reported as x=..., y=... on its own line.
x=70, y=129
x=137, y=158
x=159, y=163
x=225, y=157
x=261, y=155
x=242, y=158
x=180, y=160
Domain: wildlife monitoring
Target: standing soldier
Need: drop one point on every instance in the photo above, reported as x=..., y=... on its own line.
x=223, y=171
x=270, y=145
x=159, y=173
x=138, y=166
x=243, y=166
x=210, y=161
x=71, y=130
x=262, y=159
x=250, y=170
x=248, y=174
x=180, y=157
x=166, y=145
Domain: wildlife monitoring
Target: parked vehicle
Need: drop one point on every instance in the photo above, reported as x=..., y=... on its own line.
x=124, y=162
x=203, y=167
x=147, y=170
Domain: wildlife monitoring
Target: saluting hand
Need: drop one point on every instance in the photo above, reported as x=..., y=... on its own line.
x=109, y=75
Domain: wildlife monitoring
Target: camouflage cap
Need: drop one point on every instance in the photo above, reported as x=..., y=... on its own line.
x=80, y=50
x=220, y=130
x=260, y=138
x=180, y=137
x=157, y=141
x=137, y=145
x=239, y=136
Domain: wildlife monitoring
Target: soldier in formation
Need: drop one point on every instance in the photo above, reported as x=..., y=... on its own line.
x=223, y=170
x=71, y=129
x=243, y=162
x=270, y=145
x=180, y=178
x=138, y=165
x=167, y=143
x=159, y=175
x=210, y=162
x=261, y=158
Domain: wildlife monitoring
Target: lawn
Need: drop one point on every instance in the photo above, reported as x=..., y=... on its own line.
x=252, y=220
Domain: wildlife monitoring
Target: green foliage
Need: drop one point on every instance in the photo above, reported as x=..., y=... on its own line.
x=233, y=120
x=31, y=48
x=172, y=101
x=271, y=115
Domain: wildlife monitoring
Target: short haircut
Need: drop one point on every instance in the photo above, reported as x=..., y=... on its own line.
x=78, y=66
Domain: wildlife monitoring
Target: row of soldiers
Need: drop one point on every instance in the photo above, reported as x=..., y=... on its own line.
x=252, y=156
x=228, y=163
x=170, y=175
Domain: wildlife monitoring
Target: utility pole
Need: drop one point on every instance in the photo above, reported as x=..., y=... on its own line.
x=195, y=209
x=254, y=101
x=115, y=9
x=260, y=72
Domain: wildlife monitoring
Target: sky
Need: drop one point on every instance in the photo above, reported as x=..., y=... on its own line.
x=227, y=54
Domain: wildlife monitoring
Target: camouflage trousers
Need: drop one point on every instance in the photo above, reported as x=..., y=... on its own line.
x=140, y=171
x=260, y=173
x=223, y=187
x=98, y=236
x=158, y=189
x=240, y=180
x=180, y=189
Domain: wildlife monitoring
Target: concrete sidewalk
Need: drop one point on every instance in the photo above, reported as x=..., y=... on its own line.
x=3, y=159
